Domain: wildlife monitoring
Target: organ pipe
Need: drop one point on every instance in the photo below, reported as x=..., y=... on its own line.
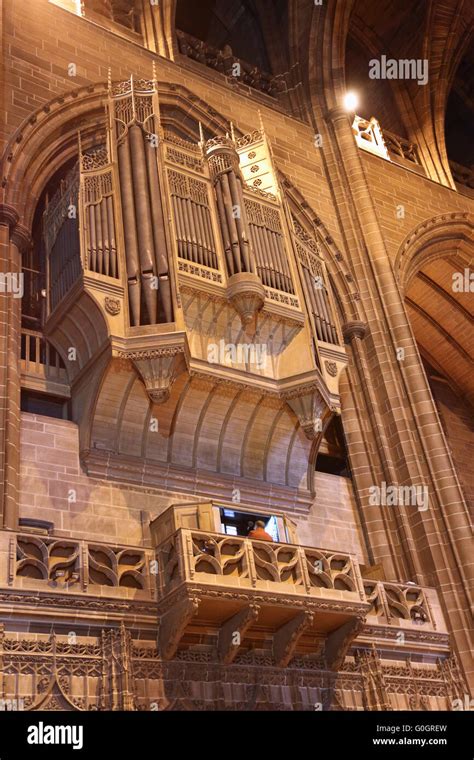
x=159, y=235
x=223, y=163
x=136, y=136
x=143, y=217
x=130, y=231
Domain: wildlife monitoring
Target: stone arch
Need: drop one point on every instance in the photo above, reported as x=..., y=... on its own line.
x=430, y=237
x=449, y=34
x=430, y=259
x=54, y=698
x=326, y=61
x=51, y=136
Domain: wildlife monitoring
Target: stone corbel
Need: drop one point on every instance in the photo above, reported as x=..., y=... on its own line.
x=311, y=409
x=339, y=641
x=354, y=330
x=158, y=369
x=173, y=624
x=286, y=638
x=246, y=294
x=233, y=629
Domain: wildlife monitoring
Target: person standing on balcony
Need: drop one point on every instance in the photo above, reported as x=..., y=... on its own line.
x=259, y=532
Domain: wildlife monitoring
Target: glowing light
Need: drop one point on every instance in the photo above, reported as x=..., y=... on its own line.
x=351, y=101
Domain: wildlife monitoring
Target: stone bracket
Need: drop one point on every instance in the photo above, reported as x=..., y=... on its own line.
x=286, y=638
x=312, y=412
x=339, y=641
x=158, y=370
x=237, y=624
x=247, y=294
x=173, y=624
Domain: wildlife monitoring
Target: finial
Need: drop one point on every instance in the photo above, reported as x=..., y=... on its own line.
x=158, y=106
x=260, y=120
x=232, y=132
x=109, y=79
x=201, y=138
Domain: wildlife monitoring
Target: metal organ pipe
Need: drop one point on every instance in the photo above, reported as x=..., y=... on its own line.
x=159, y=234
x=200, y=219
x=192, y=228
x=143, y=214
x=112, y=243
x=232, y=227
x=105, y=236
x=98, y=232
x=92, y=239
x=224, y=169
x=224, y=230
x=326, y=312
x=182, y=253
x=237, y=198
x=130, y=230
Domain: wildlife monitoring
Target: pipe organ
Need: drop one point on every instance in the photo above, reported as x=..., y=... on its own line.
x=267, y=239
x=223, y=162
x=98, y=213
x=315, y=285
x=61, y=238
x=166, y=227
x=192, y=215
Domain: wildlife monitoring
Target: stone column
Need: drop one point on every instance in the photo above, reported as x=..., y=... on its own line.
x=158, y=26
x=436, y=542
x=13, y=240
x=366, y=460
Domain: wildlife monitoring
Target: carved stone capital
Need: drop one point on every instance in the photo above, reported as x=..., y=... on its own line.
x=21, y=237
x=338, y=113
x=173, y=625
x=286, y=638
x=8, y=215
x=356, y=329
x=339, y=641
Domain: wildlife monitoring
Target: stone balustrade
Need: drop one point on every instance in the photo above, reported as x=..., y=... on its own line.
x=46, y=562
x=214, y=561
x=234, y=561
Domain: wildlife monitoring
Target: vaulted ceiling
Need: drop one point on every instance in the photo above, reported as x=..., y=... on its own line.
x=443, y=321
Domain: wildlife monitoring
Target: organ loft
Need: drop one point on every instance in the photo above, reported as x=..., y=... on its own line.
x=236, y=317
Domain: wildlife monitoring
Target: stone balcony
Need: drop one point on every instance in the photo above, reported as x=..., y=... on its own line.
x=58, y=580
x=225, y=592
x=303, y=599
x=293, y=599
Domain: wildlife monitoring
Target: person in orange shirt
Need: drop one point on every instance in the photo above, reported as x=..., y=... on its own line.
x=259, y=532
